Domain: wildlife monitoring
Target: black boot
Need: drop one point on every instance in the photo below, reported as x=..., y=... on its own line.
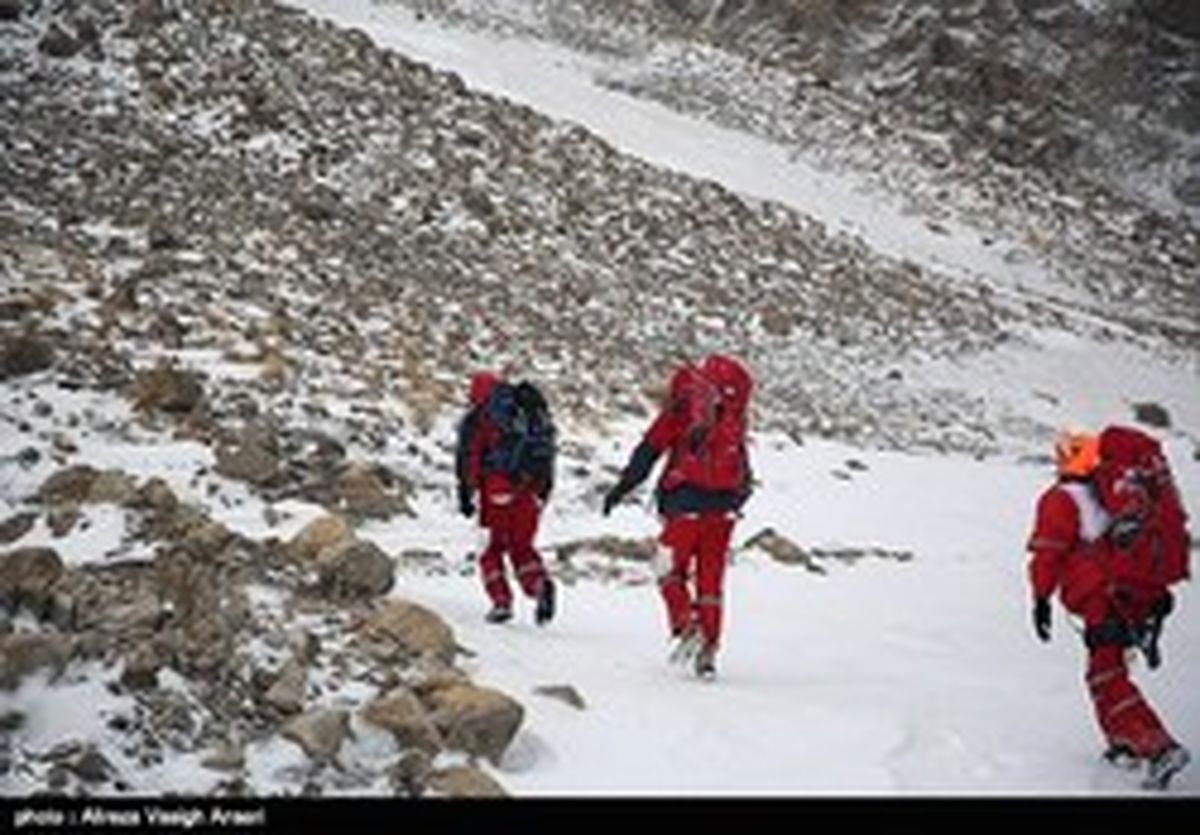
x=498, y=614
x=545, y=603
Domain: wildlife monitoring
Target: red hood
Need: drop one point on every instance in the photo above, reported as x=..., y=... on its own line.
x=731, y=377
x=481, y=387
x=681, y=381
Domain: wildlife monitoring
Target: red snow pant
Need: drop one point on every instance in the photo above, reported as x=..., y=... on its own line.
x=696, y=546
x=512, y=522
x=1124, y=715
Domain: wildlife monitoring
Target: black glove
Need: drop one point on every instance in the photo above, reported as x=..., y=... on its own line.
x=1041, y=618
x=1124, y=531
x=612, y=498
x=465, y=505
x=1163, y=606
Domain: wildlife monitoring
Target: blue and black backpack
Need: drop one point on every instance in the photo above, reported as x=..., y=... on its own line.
x=526, y=447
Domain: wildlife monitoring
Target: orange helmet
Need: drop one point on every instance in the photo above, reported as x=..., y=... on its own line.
x=1076, y=453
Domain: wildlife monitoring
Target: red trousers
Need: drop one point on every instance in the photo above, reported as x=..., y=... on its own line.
x=512, y=521
x=691, y=571
x=1124, y=715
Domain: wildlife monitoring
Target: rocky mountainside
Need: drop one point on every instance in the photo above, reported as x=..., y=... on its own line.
x=1102, y=91
x=247, y=259
x=1014, y=118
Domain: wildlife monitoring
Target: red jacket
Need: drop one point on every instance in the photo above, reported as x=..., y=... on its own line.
x=476, y=436
x=679, y=491
x=1070, y=553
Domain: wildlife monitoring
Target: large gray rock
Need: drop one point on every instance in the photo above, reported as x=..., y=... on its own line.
x=409, y=774
x=249, y=459
x=781, y=549
x=362, y=493
x=16, y=526
x=113, y=487
x=70, y=484
x=226, y=755
x=24, y=354
x=22, y=653
x=320, y=732
x=10, y=9
x=478, y=720
x=27, y=576
x=401, y=712
x=463, y=781
x=354, y=569
x=287, y=694
x=167, y=389
x=157, y=496
x=319, y=534
x=401, y=630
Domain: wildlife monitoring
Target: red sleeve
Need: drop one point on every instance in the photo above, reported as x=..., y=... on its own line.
x=1055, y=534
x=480, y=442
x=665, y=430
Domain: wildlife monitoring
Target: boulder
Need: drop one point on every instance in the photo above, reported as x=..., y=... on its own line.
x=224, y=756
x=27, y=576
x=781, y=549
x=248, y=459
x=400, y=712
x=478, y=720
x=22, y=653
x=16, y=526
x=70, y=484
x=317, y=535
x=167, y=389
x=354, y=569
x=403, y=629
x=157, y=496
x=320, y=732
x=362, y=493
x=112, y=487
x=288, y=692
x=463, y=781
x=24, y=354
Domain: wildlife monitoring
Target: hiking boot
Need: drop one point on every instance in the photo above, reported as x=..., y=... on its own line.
x=545, y=603
x=685, y=643
x=1122, y=756
x=706, y=662
x=1165, y=765
x=498, y=614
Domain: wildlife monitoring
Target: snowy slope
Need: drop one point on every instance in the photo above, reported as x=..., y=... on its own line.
x=914, y=677
x=877, y=677
x=882, y=677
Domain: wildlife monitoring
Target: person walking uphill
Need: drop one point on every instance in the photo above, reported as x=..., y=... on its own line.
x=705, y=482
x=1090, y=545
x=505, y=457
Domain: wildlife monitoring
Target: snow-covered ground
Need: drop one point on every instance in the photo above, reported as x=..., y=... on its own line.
x=881, y=677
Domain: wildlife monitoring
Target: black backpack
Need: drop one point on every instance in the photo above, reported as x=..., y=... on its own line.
x=526, y=447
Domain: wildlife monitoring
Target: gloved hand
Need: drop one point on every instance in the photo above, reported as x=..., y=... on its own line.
x=465, y=505
x=1124, y=531
x=1041, y=618
x=1163, y=606
x=612, y=498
